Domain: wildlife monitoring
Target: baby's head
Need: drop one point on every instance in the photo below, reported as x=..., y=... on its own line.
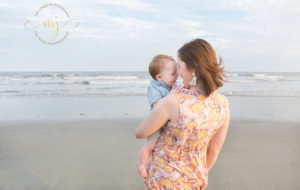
x=163, y=68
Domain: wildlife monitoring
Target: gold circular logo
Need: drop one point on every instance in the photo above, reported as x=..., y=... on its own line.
x=51, y=24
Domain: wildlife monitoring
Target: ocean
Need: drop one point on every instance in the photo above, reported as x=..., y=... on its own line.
x=135, y=83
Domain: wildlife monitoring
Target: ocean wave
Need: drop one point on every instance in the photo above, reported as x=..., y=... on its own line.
x=271, y=77
x=10, y=91
x=60, y=94
x=242, y=81
x=136, y=83
x=102, y=78
x=69, y=77
x=232, y=74
x=262, y=93
x=267, y=77
x=86, y=82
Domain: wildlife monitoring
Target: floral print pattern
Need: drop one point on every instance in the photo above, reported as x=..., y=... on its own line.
x=178, y=160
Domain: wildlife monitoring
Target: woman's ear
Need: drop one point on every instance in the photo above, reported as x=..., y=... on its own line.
x=192, y=70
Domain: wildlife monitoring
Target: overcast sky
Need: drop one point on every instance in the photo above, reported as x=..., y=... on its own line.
x=123, y=35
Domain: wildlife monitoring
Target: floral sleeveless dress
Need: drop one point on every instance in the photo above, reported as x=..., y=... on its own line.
x=178, y=160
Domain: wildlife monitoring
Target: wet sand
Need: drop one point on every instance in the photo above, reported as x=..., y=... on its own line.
x=101, y=154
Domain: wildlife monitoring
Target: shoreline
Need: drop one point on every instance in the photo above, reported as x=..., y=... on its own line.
x=95, y=108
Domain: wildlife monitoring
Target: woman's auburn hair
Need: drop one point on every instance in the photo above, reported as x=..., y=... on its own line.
x=200, y=56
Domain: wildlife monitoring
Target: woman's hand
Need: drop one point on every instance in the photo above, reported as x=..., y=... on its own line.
x=177, y=89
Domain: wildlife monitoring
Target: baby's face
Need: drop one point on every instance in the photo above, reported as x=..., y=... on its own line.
x=169, y=73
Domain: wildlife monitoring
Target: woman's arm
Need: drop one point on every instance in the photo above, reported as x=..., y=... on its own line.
x=216, y=143
x=160, y=114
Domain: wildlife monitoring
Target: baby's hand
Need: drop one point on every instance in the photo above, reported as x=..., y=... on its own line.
x=142, y=170
x=177, y=89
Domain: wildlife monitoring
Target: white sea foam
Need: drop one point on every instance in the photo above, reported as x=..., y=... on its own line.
x=268, y=77
x=135, y=83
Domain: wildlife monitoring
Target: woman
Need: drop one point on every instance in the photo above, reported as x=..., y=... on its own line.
x=197, y=117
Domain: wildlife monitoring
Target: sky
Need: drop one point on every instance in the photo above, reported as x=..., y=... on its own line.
x=124, y=35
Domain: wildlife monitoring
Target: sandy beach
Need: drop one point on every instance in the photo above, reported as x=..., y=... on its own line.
x=90, y=151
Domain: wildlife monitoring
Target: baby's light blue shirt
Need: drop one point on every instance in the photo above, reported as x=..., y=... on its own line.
x=156, y=90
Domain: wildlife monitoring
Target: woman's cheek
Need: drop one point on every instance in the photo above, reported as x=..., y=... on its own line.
x=180, y=73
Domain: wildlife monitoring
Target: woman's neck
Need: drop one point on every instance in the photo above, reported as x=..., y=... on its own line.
x=198, y=87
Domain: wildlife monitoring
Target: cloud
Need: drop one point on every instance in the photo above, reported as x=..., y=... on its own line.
x=238, y=29
x=275, y=17
x=100, y=19
x=195, y=29
x=99, y=25
x=5, y=5
x=132, y=4
x=7, y=50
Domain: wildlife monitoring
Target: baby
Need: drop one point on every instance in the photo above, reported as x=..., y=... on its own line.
x=163, y=70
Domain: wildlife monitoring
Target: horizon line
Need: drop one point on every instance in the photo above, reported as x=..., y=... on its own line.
x=136, y=71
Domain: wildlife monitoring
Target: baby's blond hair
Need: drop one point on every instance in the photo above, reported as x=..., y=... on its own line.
x=157, y=64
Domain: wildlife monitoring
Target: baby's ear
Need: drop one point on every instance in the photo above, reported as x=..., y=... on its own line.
x=158, y=77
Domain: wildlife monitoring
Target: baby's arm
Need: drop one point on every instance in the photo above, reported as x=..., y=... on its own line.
x=145, y=153
x=151, y=142
x=153, y=97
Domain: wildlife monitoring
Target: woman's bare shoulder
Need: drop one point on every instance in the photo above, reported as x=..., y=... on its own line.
x=172, y=99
